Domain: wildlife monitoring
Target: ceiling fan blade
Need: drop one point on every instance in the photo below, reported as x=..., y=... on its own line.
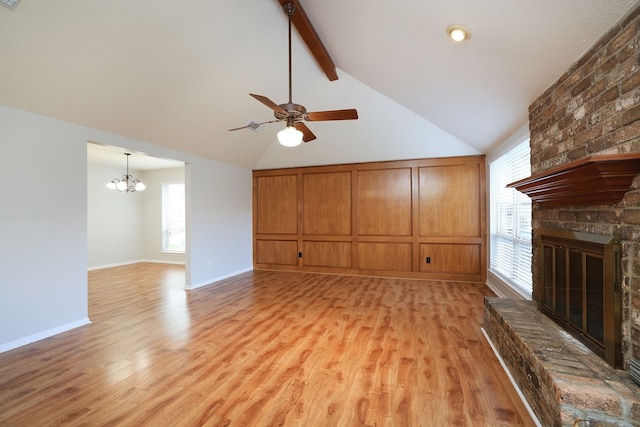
x=307, y=135
x=312, y=40
x=319, y=116
x=253, y=125
x=269, y=103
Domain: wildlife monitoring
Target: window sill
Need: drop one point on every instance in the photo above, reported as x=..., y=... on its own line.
x=173, y=252
x=505, y=288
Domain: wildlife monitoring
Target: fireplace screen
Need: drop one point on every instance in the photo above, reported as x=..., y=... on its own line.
x=581, y=288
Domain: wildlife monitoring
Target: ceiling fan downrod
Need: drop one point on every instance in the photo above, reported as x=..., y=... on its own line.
x=289, y=9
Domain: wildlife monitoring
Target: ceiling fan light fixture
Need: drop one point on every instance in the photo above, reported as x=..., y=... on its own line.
x=458, y=33
x=290, y=137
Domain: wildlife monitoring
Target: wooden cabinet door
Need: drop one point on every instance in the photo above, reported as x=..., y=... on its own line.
x=384, y=256
x=277, y=252
x=452, y=259
x=327, y=203
x=327, y=254
x=449, y=200
x=277, y=204
x=384, y=202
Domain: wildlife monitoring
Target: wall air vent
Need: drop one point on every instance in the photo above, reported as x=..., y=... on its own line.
x=11, y=4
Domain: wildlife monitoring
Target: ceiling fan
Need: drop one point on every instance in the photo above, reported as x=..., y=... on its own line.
x=295, y=114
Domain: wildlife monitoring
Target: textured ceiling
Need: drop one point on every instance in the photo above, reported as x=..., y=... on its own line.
x=178, y=74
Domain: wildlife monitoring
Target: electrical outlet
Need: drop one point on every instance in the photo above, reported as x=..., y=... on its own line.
x=428, y=260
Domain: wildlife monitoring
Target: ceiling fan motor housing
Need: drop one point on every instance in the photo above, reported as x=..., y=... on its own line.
x=293, y=110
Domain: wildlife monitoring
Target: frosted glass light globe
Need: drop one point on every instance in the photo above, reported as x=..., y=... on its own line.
x=290, y=137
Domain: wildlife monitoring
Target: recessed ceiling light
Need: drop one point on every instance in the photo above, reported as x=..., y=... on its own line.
x=458, y=33
x=11, y=4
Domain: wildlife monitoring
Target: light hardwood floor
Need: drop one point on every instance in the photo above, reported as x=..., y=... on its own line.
x=262, y=349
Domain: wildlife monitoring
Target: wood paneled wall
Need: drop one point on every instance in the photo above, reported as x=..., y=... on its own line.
x=415, y=218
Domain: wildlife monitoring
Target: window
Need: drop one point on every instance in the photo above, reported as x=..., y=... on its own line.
x=510, y=228
x=173, y=218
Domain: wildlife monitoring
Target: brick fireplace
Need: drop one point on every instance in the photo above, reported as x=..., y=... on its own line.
x=594, y=108
x=591, y=111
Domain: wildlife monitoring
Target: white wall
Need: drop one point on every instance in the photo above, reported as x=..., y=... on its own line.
x=219, y=225
x=114, y=220
x=519, y=135
x=404, y=134
x=43, y=279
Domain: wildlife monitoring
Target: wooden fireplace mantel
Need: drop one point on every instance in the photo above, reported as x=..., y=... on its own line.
x=591, y=181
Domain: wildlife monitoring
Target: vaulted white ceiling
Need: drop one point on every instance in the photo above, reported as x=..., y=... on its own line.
x=179, y=74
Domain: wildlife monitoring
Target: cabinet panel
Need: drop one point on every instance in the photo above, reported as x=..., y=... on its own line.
x=446, y=258
x=450, y=200
x=281, y=252
x=327, y=254
x=327, y=203
x=381, y=218
x=277, y=204
x=384, y=202
x=385, y=256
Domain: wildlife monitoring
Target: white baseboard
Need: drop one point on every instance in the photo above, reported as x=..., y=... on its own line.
x=216, y=279
x=44, y=334
x=120, y=264
x=116, y=264
x=164, y=261
x=513, y=382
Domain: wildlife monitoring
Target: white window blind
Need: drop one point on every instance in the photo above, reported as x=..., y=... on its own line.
x=510, y=215
x=173, y=218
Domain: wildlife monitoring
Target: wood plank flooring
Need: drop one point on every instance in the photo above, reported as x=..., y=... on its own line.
x=264, y=349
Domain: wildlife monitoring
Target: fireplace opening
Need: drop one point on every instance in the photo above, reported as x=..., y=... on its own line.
x=580, y=288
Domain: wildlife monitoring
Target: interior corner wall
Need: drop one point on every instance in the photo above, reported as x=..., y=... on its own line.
x=43, y=279
x=219, y=229
x=125, y=228
x=114, y=220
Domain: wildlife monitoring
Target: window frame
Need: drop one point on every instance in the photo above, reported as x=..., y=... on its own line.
x=165, y=248
x=510, y=228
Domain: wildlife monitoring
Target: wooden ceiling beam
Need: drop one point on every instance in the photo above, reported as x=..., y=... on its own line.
x=301, y=22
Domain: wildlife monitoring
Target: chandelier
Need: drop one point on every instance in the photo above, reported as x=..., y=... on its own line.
x=127, y=183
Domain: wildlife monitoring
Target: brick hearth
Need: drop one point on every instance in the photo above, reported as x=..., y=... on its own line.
x=560, y=378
